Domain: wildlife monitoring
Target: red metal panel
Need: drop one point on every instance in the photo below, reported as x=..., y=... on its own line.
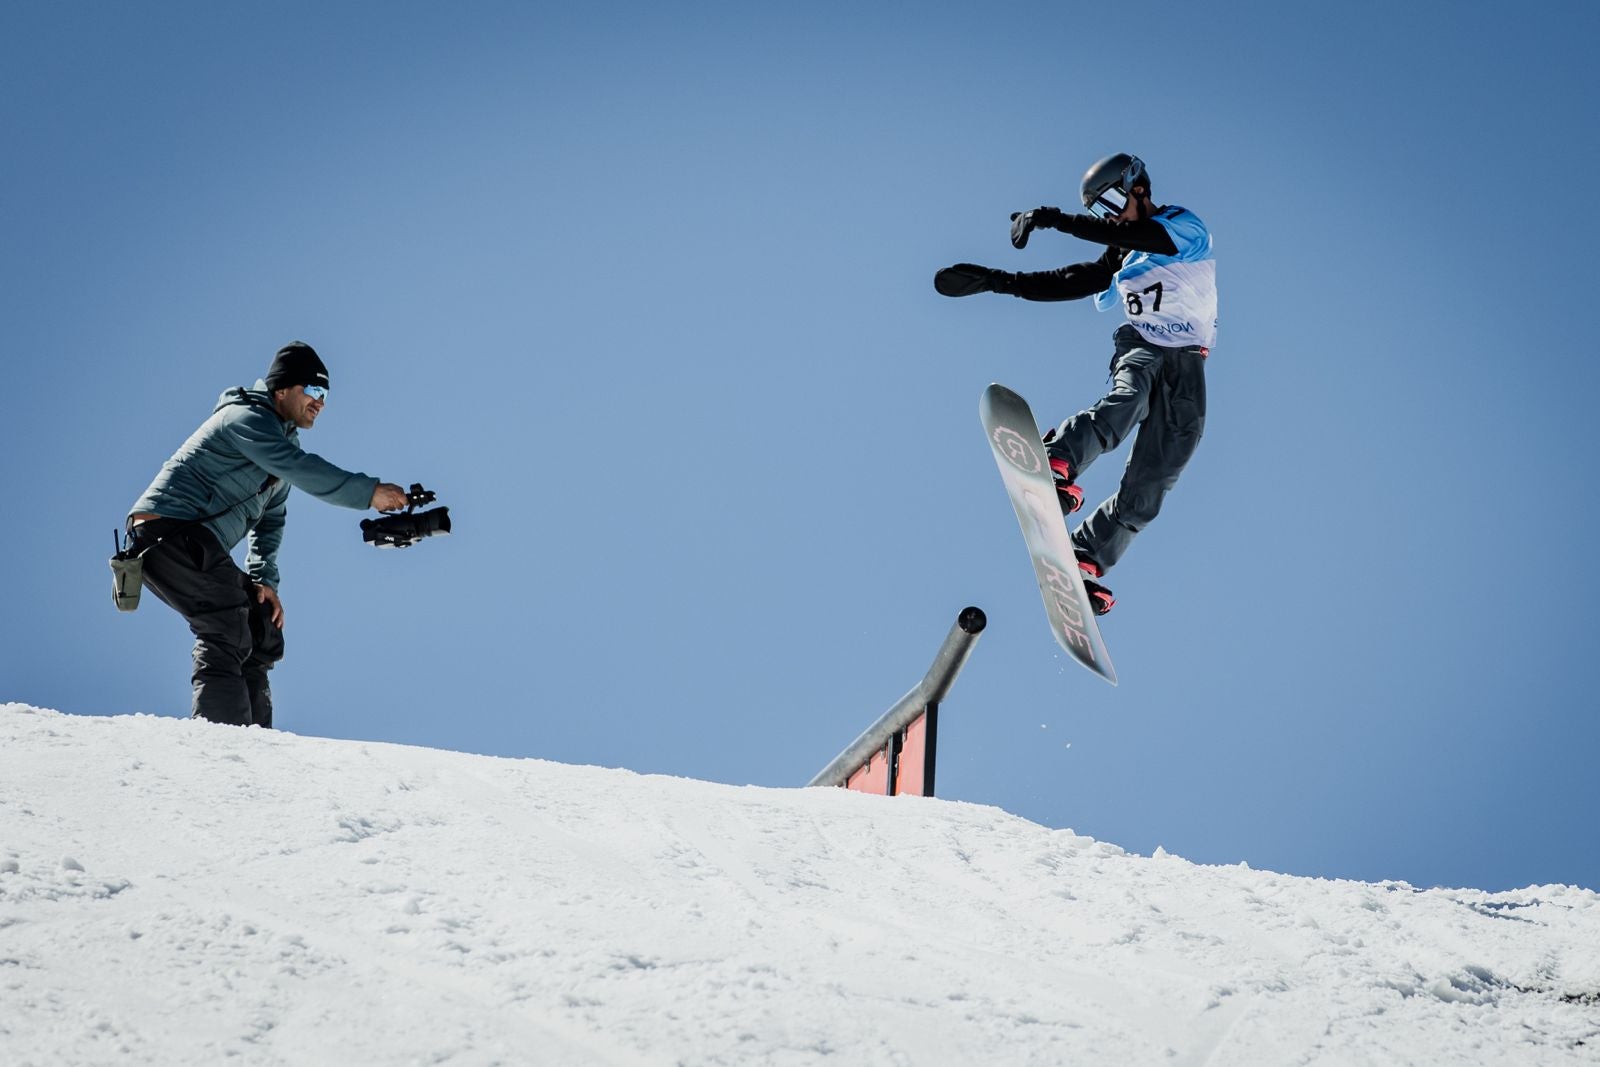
x=911, y=776
x=872, y=776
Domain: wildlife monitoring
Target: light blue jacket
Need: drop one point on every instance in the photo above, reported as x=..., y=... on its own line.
x=245, y=458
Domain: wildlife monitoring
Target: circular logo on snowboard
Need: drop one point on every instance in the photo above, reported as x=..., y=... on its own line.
x=1020, y=452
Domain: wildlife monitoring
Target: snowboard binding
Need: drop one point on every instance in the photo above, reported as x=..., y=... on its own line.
x=1100, y=597
x=1070, y=493
x=1067, y=490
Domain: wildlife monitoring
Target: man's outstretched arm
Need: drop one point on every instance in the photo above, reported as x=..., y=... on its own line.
x=1072, y=282
x=1134, y=235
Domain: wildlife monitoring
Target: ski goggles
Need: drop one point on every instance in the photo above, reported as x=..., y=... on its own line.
x=1108, y=204
x=317, y=392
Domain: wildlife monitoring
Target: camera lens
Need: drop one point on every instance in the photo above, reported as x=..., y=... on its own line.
x=434, y=521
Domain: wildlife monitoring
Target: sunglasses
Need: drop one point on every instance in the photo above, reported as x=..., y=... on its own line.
x=317, y=392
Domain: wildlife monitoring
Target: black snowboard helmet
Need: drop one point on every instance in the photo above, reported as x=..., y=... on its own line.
x=1109, y=183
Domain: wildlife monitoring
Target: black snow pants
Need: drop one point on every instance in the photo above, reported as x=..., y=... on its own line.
x=1159, y=391
x=235, y=641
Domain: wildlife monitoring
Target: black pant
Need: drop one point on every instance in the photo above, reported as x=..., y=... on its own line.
x=1159, y=391
x=235, y=641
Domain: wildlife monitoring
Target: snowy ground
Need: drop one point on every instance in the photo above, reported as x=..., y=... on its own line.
x=174, y=892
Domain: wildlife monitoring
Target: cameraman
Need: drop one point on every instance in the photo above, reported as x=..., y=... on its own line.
x=232, y=478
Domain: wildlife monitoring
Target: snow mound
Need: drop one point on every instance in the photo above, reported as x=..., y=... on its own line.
x=175, y=892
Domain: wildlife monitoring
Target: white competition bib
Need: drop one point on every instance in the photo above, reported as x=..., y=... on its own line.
x=1171, y=300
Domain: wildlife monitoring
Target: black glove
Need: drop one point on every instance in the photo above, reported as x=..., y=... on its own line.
x=1025, y=222
x=964, y=279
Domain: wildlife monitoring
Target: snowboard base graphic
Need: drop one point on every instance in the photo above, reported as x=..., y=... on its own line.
x=1025, y=470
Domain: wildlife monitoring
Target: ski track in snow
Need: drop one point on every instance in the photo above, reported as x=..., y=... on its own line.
x=173, y=892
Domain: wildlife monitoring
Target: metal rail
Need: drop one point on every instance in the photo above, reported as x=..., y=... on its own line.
x=925, y=695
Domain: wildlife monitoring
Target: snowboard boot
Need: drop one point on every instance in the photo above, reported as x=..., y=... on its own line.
x=1061, y=472
x=1067, y=490
x=1100, y=597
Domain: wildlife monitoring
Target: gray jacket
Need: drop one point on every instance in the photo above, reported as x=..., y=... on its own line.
x=245, y=458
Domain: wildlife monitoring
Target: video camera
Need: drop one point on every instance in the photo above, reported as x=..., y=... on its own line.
x=406, y=529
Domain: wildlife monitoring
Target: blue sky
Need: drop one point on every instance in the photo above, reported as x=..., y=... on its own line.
x=646, y=297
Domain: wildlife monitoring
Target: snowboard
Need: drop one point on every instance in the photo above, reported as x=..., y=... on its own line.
x=1025, y=470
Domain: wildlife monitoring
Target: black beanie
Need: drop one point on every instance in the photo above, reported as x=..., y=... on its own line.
x=296, y=363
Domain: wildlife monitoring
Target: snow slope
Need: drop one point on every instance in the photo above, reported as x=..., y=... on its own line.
x=175, y=892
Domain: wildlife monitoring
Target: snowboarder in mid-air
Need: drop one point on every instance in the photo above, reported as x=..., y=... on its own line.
x=1158, y=267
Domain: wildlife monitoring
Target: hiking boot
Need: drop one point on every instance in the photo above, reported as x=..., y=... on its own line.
x=1070, y=494
x=1100, y=597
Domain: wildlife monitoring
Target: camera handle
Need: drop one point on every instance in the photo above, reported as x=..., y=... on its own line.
x=419, y=496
